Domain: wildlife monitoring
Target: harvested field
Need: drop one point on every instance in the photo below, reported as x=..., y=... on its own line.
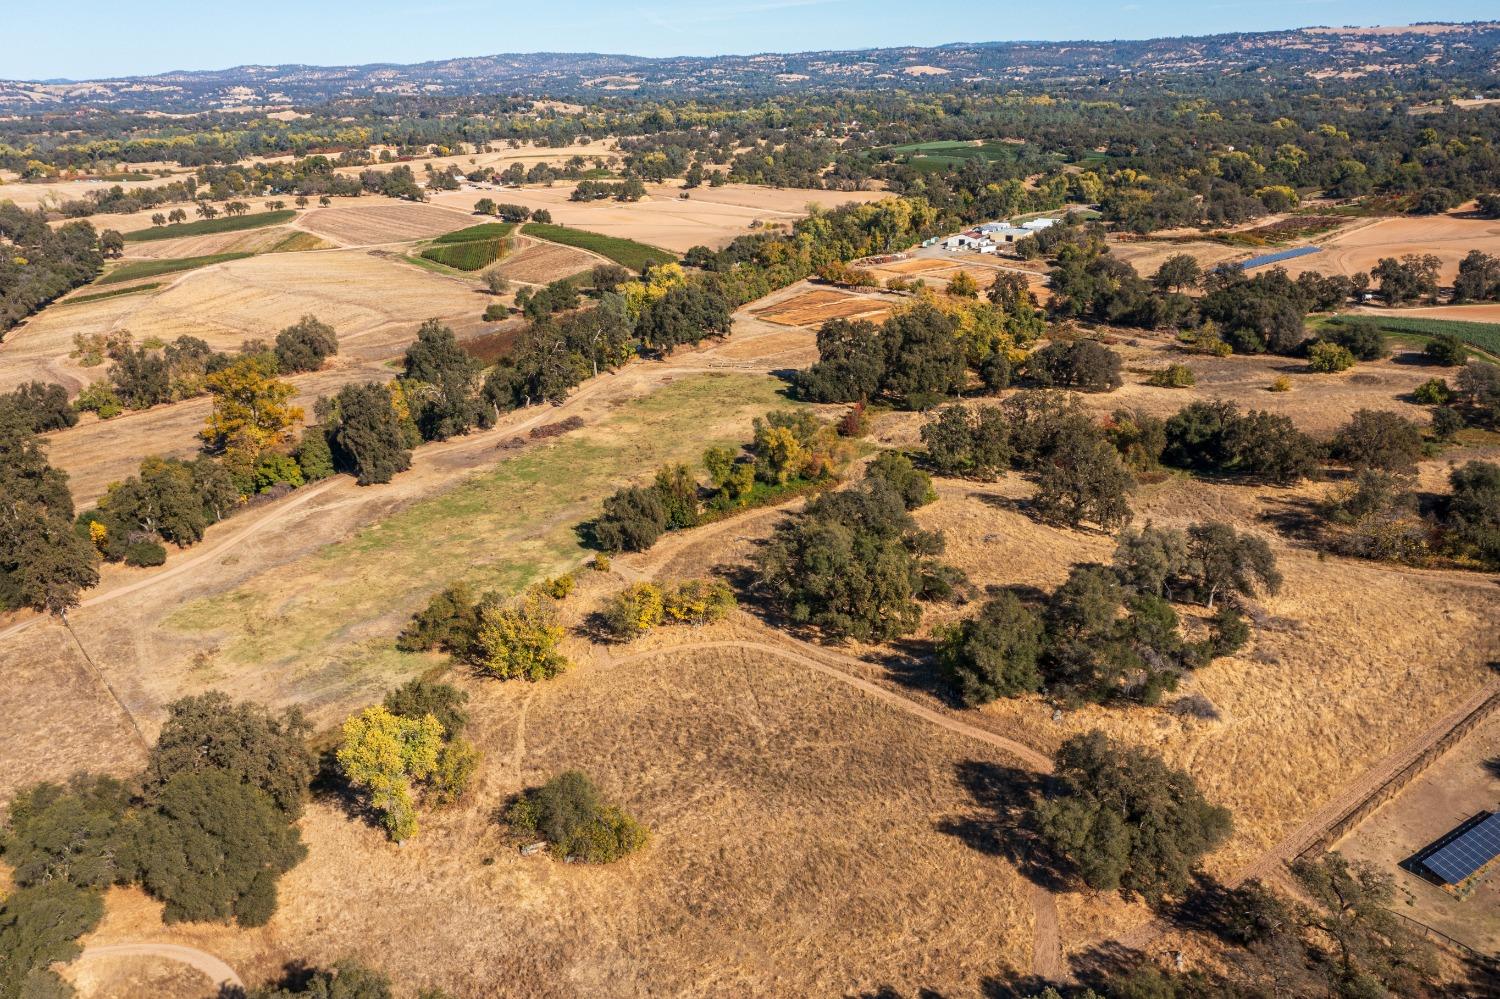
x=50, y=194
x=1447, y=237
x=375, y=306
x=535, y=261
x=374, y=221
x=1147, y=255
x=818, y=306
x=709, y=217
x=255, y=241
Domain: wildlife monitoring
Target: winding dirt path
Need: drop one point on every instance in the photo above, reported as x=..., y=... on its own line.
x=216, y=970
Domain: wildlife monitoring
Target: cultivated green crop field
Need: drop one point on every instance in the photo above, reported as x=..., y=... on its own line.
x=1485, y=336
x=468, y=256
x=151, y=268
x=625, y=252
x=486, y=230
x=207, y=227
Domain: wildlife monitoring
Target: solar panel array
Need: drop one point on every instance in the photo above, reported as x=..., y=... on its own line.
x=1468, y=853
x=1279, y=256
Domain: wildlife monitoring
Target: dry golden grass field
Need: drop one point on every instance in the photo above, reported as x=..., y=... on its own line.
x=709, y=216
x=811, y=836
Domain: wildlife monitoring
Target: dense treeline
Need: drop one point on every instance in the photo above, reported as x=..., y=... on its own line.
x=39, y=263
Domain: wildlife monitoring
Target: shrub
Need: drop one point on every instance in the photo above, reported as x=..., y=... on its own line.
x=569, y=813
x=911, y=483
x=450, y=622
x=971, y=443
x=1173, y=376
x=417, y=698
x=1126, y=820
x=1281, y=383
x=66, y=832
x=1433, y=392
x=314, y=456
x=558, y=587
x=241, y=740
x=635, y=610
x=39, y=927
x=1328, y=358
x=1361, y=337
x=99, y=398
x=495, y=312
x=144, y=554
x=600, y=562
x=1379, y=439
x=213, y=848
x=699, y=601
x=1083, y=364
x=632, y=520
x=276, y=469
x=381, y=754
x=1446, y=423
x=521, y=640
x=994, y=654
x=305, y=345
x=1447, y=350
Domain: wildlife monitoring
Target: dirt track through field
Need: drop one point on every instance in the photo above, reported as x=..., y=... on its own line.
x=221, y=974
x=818, y=659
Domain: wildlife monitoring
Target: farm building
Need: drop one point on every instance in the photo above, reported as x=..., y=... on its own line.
x=1461, y=859
x=1037, y=224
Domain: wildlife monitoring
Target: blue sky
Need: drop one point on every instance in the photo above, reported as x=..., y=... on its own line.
x=85, y=39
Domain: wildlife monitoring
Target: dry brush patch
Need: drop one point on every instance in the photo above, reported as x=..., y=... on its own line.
x=812, y=308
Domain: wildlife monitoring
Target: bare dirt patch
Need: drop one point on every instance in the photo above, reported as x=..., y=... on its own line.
x=536, y=261
x=819, y=305
x=1447, y=237
x=375, y=221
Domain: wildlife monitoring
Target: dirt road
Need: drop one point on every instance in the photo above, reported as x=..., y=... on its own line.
x=216, y=970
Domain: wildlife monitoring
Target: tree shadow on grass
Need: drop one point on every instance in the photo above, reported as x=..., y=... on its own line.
x=1002, y=826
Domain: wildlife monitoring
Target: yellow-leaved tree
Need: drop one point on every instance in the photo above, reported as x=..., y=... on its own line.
x=381, y=754
x=522, y=639
x=252, y=411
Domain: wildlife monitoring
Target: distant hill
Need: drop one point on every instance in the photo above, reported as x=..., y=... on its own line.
x=1439, y=50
